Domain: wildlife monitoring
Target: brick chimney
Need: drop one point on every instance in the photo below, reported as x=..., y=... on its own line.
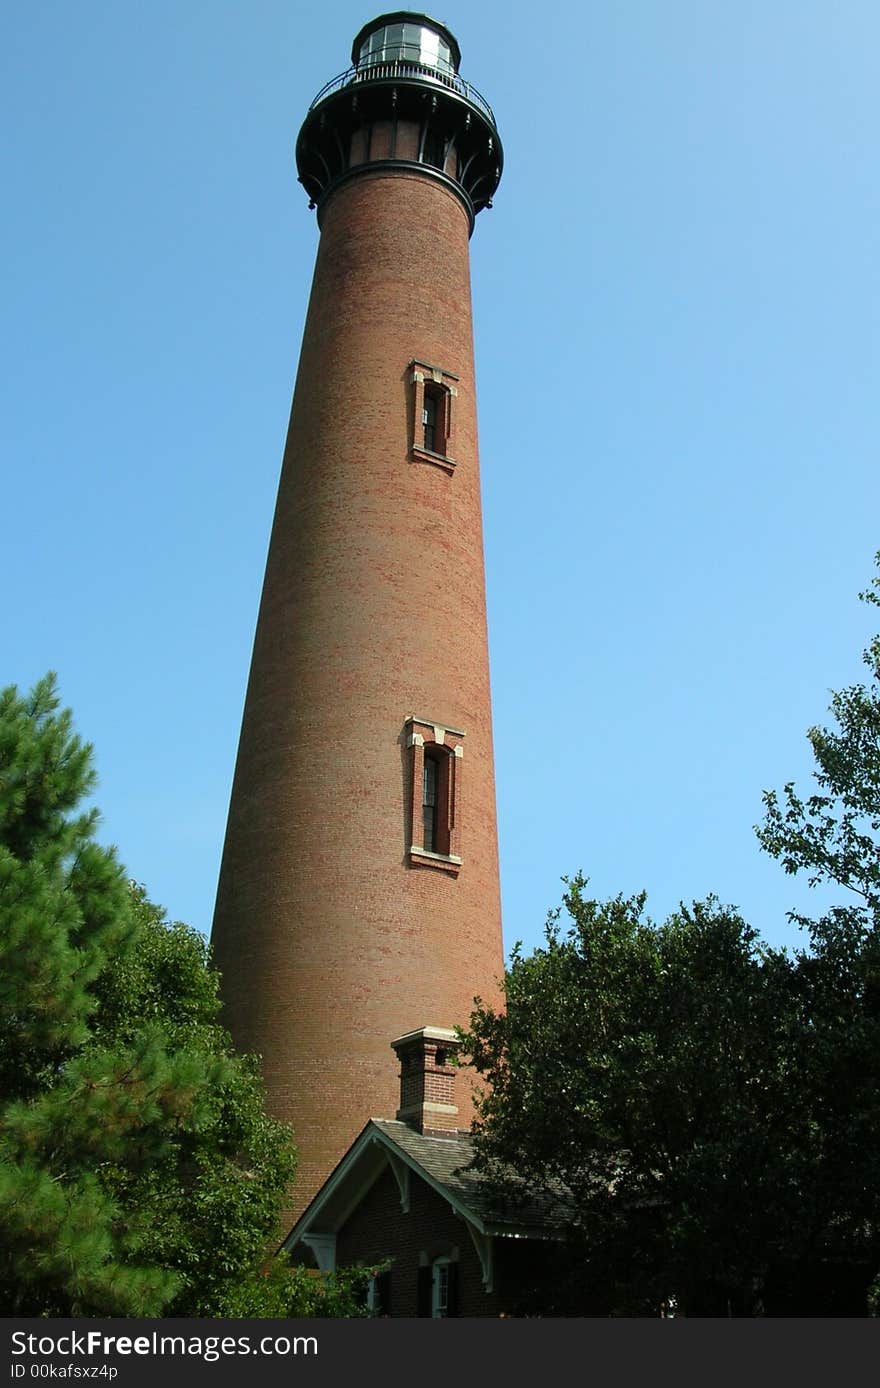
x=427, y=1080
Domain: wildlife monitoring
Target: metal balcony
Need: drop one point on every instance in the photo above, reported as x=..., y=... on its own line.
x=400, y=70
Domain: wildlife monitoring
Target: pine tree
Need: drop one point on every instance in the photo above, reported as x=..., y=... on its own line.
x=139, y=1174
x=63, y=914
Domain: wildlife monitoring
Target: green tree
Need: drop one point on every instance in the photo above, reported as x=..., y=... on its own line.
x=647, y=1071
x=139, y=1173
x=305, y=1293
x=208, y=1200
x=69, y=1104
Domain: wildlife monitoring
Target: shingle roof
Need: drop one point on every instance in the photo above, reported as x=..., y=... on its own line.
x=446, y=1161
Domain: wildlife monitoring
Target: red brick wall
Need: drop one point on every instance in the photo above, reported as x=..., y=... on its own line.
x=331, y=942
x=378, y=1229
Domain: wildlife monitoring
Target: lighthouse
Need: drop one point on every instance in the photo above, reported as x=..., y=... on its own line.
x=358, y=897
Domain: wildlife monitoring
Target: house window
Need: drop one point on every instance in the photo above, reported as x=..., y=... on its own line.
x=435, y=804
x=440, y=1289
x=437, y=1294
x=379, y=1293
x=433, y=394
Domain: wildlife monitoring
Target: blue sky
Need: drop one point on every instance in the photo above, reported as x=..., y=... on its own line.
x=677, y=307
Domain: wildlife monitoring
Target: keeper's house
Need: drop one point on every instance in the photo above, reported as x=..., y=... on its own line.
x=403, y=1200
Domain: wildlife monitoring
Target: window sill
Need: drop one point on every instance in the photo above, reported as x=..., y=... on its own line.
x=424, y=856
x=424, y=455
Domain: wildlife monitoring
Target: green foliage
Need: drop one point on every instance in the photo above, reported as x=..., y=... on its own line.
x=65, y=1246
x=62, y=897
x=210, y=1199
x=644, y=1068
x=139, y=1173
x=708, y=1106
x=303, y=1293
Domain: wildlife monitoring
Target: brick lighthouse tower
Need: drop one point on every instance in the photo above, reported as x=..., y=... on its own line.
x=358, y=897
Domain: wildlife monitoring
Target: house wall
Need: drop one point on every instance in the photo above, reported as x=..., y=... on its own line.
x=378, y=1230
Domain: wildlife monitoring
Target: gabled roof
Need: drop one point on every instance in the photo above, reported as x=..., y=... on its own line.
x=442, y=1162
x=446, y=1164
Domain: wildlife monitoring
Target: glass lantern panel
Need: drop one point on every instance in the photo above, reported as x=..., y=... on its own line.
x=430, y=48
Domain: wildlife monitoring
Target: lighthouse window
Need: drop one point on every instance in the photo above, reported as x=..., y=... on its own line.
x=429, y=803
x=435, y=791
x=431, y=401
x=429, y=421
x=408, y=43
x=434, y=419
x=434, y=149
x=438, y=792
